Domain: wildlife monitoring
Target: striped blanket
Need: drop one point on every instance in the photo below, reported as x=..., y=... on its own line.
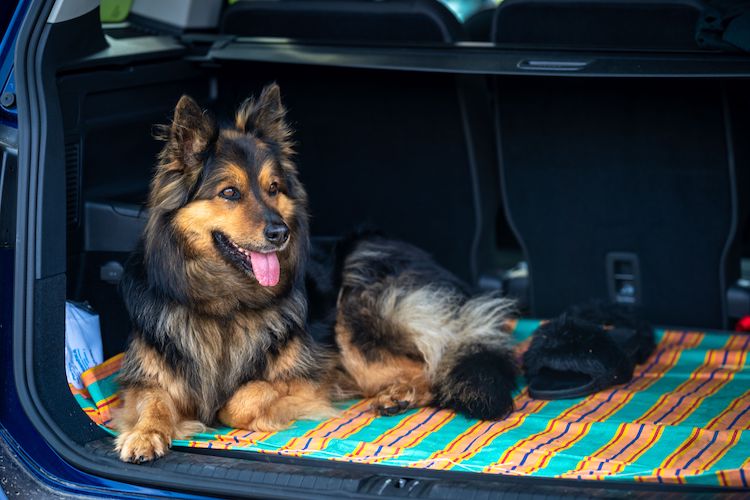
x=684, y=418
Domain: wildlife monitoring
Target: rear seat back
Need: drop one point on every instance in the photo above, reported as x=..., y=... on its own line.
x=596, y=24
x=390, y=21
x=623, y=189
x=620, y=189
x=478, y=26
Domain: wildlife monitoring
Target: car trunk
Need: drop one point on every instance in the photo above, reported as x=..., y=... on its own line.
x=480, y=155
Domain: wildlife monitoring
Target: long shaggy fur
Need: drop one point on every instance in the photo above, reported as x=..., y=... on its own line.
x=220, y=337
x=396, y=301
x=210, y=343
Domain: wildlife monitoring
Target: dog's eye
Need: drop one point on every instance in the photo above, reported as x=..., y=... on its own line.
x=273, y=189
x=230, y=193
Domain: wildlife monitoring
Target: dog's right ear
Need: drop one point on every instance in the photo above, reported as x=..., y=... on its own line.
x=191, y=133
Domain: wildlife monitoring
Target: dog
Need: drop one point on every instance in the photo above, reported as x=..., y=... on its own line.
x=218, y=293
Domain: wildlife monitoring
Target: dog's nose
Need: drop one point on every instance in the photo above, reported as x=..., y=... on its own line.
x=276, y=233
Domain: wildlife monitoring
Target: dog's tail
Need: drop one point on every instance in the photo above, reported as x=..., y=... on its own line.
x=469, y=357
x=477, y=370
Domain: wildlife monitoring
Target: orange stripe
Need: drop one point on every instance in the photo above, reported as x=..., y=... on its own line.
x=548, y=454
x=316, y=439
x=473, y=440
x=406, y=430
x=536, y=454
x=404, y=424
x=734, y=478
x=729, y=414
x=80, y=392
x=417, y=438
x=602, y=452
x=721, y=444
x=705, y=465
x=613, y=457
x=676, y=455
x=104, y=370
x=675, y=406
x=671, y=473
x=387, y=451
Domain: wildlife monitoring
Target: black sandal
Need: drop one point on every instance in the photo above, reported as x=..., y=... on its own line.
x=585, y=350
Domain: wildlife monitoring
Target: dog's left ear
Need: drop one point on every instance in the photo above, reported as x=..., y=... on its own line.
x=265, y=117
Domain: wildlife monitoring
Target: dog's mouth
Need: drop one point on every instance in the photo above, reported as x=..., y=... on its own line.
x=263, y=264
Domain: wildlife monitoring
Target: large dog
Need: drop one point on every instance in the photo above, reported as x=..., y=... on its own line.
x=217, y=296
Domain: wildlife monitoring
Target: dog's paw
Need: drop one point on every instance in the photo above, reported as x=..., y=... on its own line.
x=396, y=399
x=141, y=446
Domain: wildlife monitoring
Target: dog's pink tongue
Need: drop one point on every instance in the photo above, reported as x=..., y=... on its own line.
x=265, y=268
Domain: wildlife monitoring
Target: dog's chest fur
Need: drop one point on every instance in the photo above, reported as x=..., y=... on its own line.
x=208, y=357
x=231, y=351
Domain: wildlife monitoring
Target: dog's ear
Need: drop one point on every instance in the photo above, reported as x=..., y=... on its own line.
x=188, y=137
x=265, y=118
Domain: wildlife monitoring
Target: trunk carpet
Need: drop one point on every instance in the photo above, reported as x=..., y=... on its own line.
x=684, y=418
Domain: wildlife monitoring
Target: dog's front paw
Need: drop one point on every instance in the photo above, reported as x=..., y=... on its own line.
x=141, y=446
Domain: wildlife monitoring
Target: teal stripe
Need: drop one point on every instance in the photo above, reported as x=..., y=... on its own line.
x=84, y=402
x=524, y=329
x=642, y=401
x=104, y=388
x=732, y=460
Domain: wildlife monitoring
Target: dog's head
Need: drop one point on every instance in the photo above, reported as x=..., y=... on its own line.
x=229, y=200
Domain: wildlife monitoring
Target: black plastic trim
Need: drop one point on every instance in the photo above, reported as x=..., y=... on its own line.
x=474, y=176
x=733, y=197
x=486, y=59
x=504, y=194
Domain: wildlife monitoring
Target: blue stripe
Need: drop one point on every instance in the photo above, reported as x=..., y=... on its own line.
x=739, y=416
x=550, y=440
x=414, y=428
x=637, y=436
x=713, y=440
x=344, y=423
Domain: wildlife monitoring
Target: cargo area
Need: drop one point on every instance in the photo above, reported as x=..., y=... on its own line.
x=548, y=167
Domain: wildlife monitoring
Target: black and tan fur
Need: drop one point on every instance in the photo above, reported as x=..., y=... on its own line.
x=212, y=344
x=411, y=334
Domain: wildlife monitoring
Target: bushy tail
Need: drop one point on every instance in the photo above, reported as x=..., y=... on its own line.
x=477, y=371
x=469, y=357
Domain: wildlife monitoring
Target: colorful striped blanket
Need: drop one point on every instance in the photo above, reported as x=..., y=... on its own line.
x=684, y=418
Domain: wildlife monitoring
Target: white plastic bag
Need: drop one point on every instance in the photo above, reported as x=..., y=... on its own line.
x=83, y=341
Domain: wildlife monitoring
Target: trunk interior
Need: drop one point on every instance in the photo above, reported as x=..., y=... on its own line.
x=577, y=175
